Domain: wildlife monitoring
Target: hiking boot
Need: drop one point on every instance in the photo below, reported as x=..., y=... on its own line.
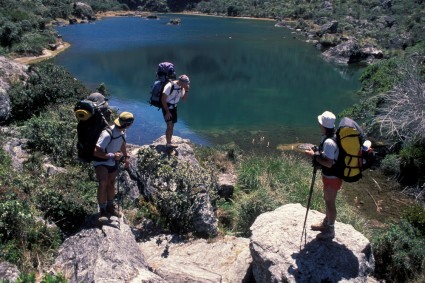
x=320, y=226
x=170, y=146
x=103, y=216
x=113, y=210
x=327, y=233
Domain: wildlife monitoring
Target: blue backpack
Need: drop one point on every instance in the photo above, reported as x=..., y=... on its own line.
x=164, y=73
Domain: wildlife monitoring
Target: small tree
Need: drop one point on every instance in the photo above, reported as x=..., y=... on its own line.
x=401, y=116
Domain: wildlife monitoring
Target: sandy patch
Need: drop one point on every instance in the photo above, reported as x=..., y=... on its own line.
x=47, y=54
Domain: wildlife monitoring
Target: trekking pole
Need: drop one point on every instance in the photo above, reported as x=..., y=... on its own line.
x=304, y=232
x=118, y=190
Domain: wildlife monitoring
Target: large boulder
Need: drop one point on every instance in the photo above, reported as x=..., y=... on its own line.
x=11, y=72
x=279, y=255
x=106, y=254
x=83, y=10
x=331, y=27
x=176, y=259
x=151, y=187
x=350, y=51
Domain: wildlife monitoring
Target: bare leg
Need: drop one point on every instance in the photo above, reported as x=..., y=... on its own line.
x=169, y=131
x=330, y=198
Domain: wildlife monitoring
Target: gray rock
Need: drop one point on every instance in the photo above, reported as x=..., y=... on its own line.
x=83, y=10
x=331, y=28
x=15, y=147
x=224, y=260
x=203, y=217
x=351, y=52
x=109, y=254
x=327, y=6
x=386, y=4
x=278, y=255
x=10, y=72
x=8, y=271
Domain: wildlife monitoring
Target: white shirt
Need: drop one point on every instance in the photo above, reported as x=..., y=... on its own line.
x=330, y=151
x=177, y=93
x=109, y=144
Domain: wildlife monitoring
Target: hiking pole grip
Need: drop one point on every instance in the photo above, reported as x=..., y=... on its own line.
x=313, y=179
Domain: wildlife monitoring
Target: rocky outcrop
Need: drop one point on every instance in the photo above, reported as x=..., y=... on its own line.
x=178, y=260
x=331, y=28
x=11, y=72
x=278, y=255
x=350, y=52
x=142, y=184
x=106, y=254
x=83, y=11
x=15, y=147
x=8, y=272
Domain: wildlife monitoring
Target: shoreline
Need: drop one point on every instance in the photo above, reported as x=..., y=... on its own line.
x=47, y=54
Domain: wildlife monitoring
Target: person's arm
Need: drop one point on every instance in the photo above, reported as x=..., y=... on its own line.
x=100, y=153
x=185, y=91
x=320, y=158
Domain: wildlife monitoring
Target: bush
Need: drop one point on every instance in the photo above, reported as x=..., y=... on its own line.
x=249, y=207
x=53, y=133
x=177, y=186
x=391, y=164
x=33, y=43
x=399, y=253
x=48, y=85
x=66, y=199
x=415, y=215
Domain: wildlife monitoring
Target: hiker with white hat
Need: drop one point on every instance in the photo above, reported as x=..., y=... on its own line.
x=172, y=93
x=325, y=158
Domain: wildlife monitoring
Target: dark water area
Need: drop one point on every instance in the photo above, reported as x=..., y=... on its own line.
x=250, y=81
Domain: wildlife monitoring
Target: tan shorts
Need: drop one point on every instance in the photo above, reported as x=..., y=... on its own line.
x=334, y=184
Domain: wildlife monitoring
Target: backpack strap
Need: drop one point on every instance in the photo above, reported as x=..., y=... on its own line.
x=171, y=91
x=109, y=131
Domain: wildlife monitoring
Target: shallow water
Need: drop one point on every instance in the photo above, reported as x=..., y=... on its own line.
x=250, y=81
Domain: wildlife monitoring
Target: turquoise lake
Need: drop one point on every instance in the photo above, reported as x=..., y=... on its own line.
x=250, y=80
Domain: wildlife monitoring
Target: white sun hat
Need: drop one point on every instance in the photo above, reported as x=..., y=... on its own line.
x=327, y=119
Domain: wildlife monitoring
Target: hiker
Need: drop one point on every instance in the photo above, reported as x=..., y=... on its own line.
x=173, y=91
x=325, y=158
x=111, y=146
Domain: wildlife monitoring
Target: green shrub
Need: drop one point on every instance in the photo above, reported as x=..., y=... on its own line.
x=249, y=207
x=53, y=133
x=48, y=85
x=415, y=215
x=177, y=186
x=24, y=240
x=66, y=199
x=399, y=253
x=391, y=164
x=33, y=43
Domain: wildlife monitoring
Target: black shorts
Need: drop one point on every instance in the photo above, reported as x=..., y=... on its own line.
x=173, y=114
x=111, y=169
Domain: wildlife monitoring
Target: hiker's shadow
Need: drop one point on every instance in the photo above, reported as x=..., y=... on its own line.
x=324, y=261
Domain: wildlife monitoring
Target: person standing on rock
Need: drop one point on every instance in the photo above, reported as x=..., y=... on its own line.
x=111, y=146
x=172, y=93
x=325, y=158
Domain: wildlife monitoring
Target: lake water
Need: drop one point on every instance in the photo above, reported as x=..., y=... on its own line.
x=249, y=79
